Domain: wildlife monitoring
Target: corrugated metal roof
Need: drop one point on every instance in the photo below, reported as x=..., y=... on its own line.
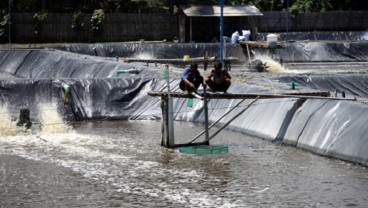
x=215, y=11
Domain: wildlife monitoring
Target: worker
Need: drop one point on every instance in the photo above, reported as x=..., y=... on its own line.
x=235, y=37
x=219, y=80
x=191, y=79
x=67, y=90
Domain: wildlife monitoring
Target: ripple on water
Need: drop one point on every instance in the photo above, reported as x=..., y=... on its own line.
x=117, y=164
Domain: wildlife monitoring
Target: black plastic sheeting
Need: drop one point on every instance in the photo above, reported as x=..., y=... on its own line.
x=111, y=98
x=155, y=50
x=328, y=127
x=301, y=51
x=57, y=64
x=305, y=51
x=354, y=85
x=318, y=36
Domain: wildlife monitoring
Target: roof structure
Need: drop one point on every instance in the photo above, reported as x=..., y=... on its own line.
x=215, y=11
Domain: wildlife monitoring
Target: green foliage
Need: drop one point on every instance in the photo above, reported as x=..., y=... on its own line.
x=77, y=22
x=97, y=19
x=303, y=6
x=39, y=18
x=28, y=5
x=5, y=20
x=110, y=6
x=268, y=5
x=158, y=6
x=238, y=2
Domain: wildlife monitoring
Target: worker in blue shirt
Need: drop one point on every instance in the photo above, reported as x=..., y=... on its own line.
x=191, y=79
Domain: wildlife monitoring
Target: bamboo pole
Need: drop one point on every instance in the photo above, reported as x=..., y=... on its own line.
x=249, y=59
x=212, y=125
x=236, y=116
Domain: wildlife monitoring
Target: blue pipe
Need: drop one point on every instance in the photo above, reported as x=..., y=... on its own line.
x=222, y=32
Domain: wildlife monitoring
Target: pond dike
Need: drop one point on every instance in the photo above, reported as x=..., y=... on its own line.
x=333, y=128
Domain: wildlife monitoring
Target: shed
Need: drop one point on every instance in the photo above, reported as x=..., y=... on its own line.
x=214, y=11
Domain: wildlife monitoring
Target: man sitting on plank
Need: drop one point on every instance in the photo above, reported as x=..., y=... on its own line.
x=218, y=79
x=191, y=79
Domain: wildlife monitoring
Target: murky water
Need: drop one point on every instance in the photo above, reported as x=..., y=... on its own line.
x=121, y=164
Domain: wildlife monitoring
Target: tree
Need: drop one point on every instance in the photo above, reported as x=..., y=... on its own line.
x=4, y=22
x=302, y=6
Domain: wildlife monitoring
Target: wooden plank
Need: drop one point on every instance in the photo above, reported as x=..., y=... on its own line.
x=177, y=60
x=27, y=49
x=307, y=95
x=256, y=44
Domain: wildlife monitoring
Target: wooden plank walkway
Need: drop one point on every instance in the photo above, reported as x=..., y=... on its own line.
x=306, y=95
x=257, y=44
x=27, y=49
x=178, y=60
x=210, y=95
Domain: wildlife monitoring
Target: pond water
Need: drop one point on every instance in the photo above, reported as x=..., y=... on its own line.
x=121, y=164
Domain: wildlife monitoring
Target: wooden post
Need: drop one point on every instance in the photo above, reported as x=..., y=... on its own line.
x=190, y=32
x=167, y=134
x=249, y=59
x=167, y=113
x=182, y=29
x=205, y=114
x=24, y=118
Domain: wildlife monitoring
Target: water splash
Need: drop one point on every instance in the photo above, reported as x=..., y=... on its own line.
x=273, y=66
x=7, y=126
x=52, y=121
x=144, y=56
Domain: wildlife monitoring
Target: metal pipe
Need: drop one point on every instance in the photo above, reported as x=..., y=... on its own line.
x=222, y=32
x=10, y=20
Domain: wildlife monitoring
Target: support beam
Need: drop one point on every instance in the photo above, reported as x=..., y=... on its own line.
x=231, y=120
x=167, y=114
x=167, y=133
x=182, y=29
x=307, y=95
x=213, y=124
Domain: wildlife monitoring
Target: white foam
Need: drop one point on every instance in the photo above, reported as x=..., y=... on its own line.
x=7, y=126
x=90, y=155
x=51, y=120
x=144, y=56
x=273, y=66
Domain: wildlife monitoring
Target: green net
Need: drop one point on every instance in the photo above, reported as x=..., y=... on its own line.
x=204, y=149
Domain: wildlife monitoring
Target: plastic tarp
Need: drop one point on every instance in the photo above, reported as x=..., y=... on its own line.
x=318, y=36
x=354, y=85
x=327, y=127
x=306, y=51
x=58, y=64
x=154, y=50
x=301, y=51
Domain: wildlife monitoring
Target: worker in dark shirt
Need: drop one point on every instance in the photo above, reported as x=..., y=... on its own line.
x=219, y=80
